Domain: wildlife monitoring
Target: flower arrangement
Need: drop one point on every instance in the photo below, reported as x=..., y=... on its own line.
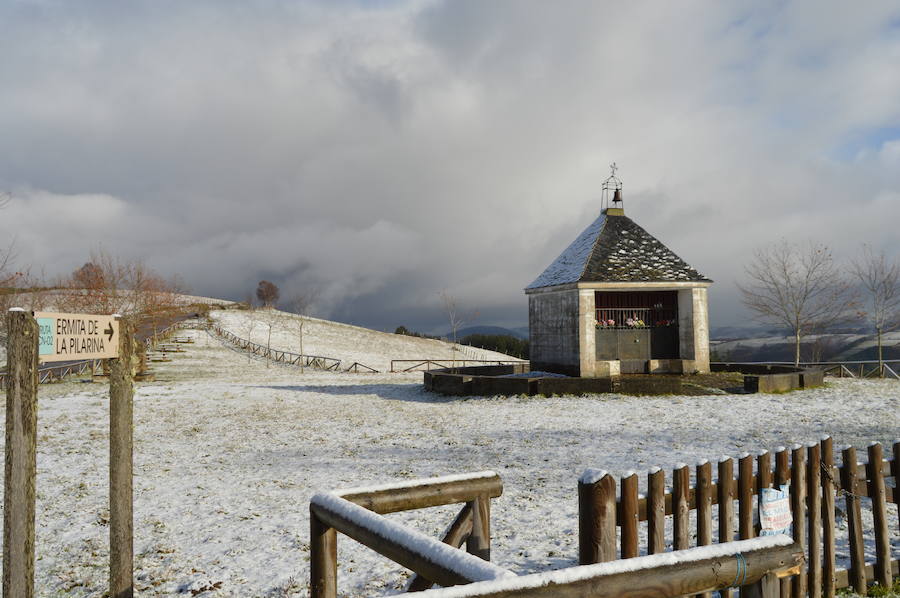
x=663, y=323
x=605, y=323
x=635, y=323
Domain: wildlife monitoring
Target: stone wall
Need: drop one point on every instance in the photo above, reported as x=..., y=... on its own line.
x=553, y=321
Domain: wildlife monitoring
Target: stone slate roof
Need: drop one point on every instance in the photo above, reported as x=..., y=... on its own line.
x=615, y=249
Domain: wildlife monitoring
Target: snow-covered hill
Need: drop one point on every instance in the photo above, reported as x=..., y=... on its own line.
x=228, y=453
x=340, y=341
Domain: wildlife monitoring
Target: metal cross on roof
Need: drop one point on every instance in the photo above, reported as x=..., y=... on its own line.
x=614, y=184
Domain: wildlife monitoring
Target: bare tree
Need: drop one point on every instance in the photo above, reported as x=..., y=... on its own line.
x=108, y=284
x=267, y=293
x=247, y=328
x=455, y=318
x=879, y=279
x=798, y=286
x=10, y=277
x=301, y=304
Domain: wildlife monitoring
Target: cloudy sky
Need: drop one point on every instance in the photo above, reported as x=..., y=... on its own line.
x=385, y=151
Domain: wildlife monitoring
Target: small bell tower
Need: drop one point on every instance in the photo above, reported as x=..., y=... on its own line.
x=612, y=185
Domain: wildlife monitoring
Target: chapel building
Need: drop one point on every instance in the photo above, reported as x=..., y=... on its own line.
x=618, y=301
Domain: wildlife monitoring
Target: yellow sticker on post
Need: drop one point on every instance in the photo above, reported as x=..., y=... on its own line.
x=73, y=337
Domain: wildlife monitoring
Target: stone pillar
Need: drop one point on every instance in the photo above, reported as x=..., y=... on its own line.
x=693, y=329
x=587, y=335
x=701, y=329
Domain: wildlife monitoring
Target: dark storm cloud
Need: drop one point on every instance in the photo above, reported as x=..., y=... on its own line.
x=387, y=151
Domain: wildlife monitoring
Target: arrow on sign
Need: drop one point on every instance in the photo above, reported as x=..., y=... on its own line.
x=109, y=331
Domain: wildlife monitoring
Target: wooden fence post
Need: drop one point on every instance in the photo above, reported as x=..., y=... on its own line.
x=656, y=511
x=745, y=497
x=121, y=461
x=725, y=491
x=596, y=518
x=814, y=494
x=479, y=541
x=628, y=517
x=879, y=514
x=323, y=558
x=895, y=471
x=828, y=489
x=681, y=488
x=782, y=474
x=21, y=454
x=854, y=521
x=703, y=503
x=798, y=508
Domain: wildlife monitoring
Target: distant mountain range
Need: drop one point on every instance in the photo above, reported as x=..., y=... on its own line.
x=521, y=332
x=820, y=347
x=753, y=343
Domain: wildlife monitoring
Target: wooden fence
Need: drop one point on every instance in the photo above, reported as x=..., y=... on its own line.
x=888, y=368
x=815, y=483
x=425, y=365
x=358, y=514
x=276, y=355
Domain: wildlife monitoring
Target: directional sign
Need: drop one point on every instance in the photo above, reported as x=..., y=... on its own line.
x=68, y=337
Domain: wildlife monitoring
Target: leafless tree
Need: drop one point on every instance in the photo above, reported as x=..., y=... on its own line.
x=267, y=293
x=301, y=304
x=108, y=284
x=798, y=286
x=247, y=328
x=879, y=279
x=455, y=318
x=270, y=318
x=10, y=277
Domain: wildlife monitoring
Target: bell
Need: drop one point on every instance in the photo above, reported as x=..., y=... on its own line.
x=617, y=197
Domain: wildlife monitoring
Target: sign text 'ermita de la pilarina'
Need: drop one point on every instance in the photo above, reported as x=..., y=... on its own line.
x=67, y=337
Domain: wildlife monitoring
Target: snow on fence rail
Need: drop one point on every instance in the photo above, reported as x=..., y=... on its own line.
x=358, y=514
x=278, y=356
x=424, y=365
x=753, y=565
x=814, y=482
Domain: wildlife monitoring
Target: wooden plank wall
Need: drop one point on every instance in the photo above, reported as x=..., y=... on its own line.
x=817, y=487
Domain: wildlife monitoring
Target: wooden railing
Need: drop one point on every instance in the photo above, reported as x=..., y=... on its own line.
x=852, y=369
x=357, y=514
x=160, y=335
x=424, y=365
x=752, y=564
x=815, y=482
x=276, y=355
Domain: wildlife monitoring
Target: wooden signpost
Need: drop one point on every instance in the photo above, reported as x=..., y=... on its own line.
x=64, y=337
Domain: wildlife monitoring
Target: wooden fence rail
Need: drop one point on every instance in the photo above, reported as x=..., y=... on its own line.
x=424, y=365
x=815, y=482
x=870, y=368
x=276, y=355
x=357, y=514
x=754, y=565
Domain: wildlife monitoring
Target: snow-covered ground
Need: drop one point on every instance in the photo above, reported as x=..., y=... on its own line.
x=228, y=453
x=341, y=341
